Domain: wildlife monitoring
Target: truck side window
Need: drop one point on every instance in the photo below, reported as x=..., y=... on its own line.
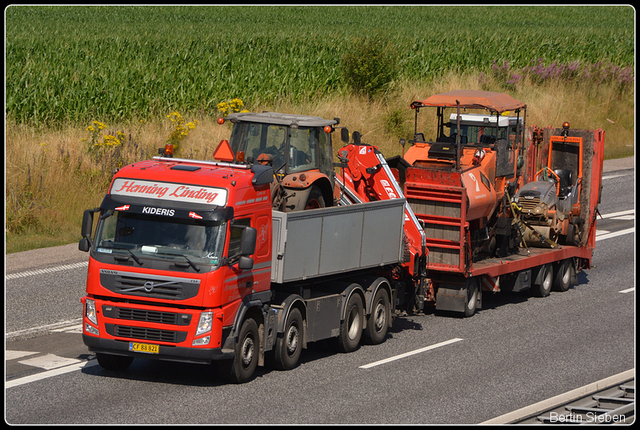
x=236, y=232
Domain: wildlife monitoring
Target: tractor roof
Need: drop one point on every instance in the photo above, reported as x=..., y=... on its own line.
x=472, y=99
x=282, y=119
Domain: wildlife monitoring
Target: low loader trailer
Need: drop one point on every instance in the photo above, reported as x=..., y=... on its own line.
x=197, y=261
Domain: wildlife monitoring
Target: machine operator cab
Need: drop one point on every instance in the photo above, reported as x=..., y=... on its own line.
x=499, y=128
x=480, y=129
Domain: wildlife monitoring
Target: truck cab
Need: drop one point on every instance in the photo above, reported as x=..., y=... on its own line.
x=179, y=246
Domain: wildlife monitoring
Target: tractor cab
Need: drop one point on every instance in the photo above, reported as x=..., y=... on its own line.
x=298, y=147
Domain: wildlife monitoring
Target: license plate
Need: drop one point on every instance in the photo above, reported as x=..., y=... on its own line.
x=144, y=347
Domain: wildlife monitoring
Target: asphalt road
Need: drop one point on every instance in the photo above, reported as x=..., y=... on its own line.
x=516, y=351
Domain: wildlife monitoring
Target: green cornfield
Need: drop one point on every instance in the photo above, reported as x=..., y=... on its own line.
x=71, y=64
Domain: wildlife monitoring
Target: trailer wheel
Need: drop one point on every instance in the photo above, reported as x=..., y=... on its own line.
x=472, y=297
x=378, y=321
x=240, y=369
x=351, y=326
x=545, y=275
x=562, y=280
x=113, y=362
x=289, y=346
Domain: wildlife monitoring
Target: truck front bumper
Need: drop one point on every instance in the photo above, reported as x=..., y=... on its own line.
x=169, y=353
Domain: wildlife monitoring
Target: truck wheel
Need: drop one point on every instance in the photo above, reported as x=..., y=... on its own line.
x=562, y=280
x=113, y=362
x=315, y=199
x=378, y=321
x=240, y=369
x=546, y=281
x=351, y=326
x=472, y=297
x=289, y=346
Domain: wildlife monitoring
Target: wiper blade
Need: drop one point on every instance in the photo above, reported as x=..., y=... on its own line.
x=191, y=263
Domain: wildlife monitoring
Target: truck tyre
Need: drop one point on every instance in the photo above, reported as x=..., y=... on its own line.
x=378, y=321
x=289, y=346
x=544, y=281
x=113, y=362
x=315, y=199
x=240, y=369
x=562, y=280
x=472, y=297
x=351, y=326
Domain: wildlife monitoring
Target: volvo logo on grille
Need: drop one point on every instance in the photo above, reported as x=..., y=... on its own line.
x=148, y=286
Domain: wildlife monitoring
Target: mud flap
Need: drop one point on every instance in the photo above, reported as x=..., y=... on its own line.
x=455, y=300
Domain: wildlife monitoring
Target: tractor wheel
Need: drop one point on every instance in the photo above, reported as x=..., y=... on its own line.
x=315, y=199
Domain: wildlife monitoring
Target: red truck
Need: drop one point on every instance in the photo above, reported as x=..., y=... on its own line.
x=191, y=262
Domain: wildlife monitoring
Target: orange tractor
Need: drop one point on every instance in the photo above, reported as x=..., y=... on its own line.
x=297, y=147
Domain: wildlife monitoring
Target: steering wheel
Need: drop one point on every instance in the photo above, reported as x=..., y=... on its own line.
x=557, y=178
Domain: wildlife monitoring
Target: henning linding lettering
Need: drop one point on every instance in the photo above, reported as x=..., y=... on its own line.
x=199, y=194
x=131, y=187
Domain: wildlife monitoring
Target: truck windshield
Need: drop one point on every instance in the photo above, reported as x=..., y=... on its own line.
x=196, y=241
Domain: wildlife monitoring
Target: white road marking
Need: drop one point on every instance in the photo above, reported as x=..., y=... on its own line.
x=621, y=213
x=50, y=373
x=625, y=218
x=615, y=234
x=613, y=176
x=628, y=290
x=73, y=329
x=14, y=355
x=49, y=362
x=47, y=327
x=47, y=270
x=410, y=353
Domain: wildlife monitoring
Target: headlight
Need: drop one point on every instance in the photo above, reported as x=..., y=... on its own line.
x=90, y=311
x=202, y=341
x=91, y=329
x=204, y=324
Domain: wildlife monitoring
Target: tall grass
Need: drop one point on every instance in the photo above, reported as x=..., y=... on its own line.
x=52, y=177
x=76, y=63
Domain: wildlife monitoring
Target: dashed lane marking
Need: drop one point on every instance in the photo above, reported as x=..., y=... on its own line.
x=410, y=353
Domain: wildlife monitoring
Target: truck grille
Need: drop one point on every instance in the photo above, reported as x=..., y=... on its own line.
x=149, y=316
x=152, y=286
x=144, y=333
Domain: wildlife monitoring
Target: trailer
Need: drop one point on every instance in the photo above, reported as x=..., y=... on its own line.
x=479, y=204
